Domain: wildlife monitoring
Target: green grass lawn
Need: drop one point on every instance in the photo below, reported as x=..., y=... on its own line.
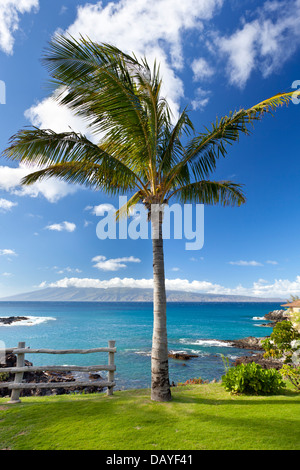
x=199, y=417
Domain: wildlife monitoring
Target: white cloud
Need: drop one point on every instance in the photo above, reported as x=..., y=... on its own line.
x=63, y=10
x=279, y=288
x=114, y=264
x=263, y=44
x=101, y=209
x=67, y=270
x=152, y=29
x=7, y=252
x=52, y=189
x=10, y=11
x=245, y=263
x=158, y=32
x=6, y=205
x=201, y=69
x=49, y=114
x=158, y=25
x=86, y=223
x=201, y=99
x=63, y=226
x=272, y=262
x=241, y=49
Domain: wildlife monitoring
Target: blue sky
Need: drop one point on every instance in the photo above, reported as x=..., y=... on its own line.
x=216, y=56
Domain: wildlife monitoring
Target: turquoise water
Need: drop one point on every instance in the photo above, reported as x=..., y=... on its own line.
x=195, y=328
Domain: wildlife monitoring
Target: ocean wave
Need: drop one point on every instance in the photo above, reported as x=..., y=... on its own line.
x=177, y=351
x=205, y=342
x=259, y=318
x=143, y=353
x=199, y=353
x=30, y=321
x=230, y=356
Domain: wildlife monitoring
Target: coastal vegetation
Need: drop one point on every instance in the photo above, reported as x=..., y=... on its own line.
x=203, y=417
x=281, y=350
x=291, y=373
x=252, y=379
x=281, y=342
x=142, y=150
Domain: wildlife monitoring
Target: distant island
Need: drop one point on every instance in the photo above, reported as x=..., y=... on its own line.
x=123, y=294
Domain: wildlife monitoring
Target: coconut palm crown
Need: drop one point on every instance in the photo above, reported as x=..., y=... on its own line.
x=140, y=150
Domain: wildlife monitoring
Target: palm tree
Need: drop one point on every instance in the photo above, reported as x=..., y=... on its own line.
x=140, y=150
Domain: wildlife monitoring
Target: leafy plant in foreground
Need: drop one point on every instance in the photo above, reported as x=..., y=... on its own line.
x=252, y=379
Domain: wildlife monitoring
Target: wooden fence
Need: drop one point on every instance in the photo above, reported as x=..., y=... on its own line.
x=20, y=368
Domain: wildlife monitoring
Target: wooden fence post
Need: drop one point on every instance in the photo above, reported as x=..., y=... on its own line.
x=111, y=362
x=15, y=394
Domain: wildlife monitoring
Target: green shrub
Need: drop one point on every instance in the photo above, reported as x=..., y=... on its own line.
x=252, y=379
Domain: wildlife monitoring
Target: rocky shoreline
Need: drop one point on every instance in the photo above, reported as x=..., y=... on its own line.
x=250, y=343
x=181, y=356
x=275, y=317
x=254, y=344
x=246, y=343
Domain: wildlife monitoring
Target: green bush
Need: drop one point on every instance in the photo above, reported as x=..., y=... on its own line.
x=252, y=379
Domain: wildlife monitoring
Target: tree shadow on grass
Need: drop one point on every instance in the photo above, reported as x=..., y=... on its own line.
x=242, y=399
x=235, y=402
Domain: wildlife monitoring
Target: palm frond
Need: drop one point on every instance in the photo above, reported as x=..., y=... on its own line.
x=123, y=212
x=225, y=193
x=171, y=149
x=40, y=147
x=203, y=151
x=270, y=104
x=86, y=174
x=102, y=87
x=139, y=149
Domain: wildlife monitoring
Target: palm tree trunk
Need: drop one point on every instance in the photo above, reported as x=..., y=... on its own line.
x=160, y=384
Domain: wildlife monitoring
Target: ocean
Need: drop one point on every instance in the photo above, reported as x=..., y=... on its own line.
x=195, y=328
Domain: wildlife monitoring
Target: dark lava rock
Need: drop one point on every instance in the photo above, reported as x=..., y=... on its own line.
x=95, y=376
x=247, y=343
x=10, y=320
x=182, y=356
x=277, y=316
x=259, y=359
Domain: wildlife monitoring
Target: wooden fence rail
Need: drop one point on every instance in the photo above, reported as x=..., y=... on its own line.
x=20, y=368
